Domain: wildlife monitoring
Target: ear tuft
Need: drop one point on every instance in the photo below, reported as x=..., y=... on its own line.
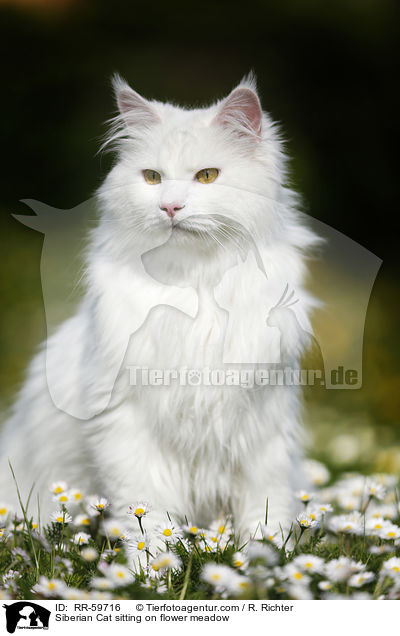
x=241, y=111
x=134, y=109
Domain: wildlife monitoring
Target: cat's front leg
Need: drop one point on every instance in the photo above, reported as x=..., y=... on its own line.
x=265, y=495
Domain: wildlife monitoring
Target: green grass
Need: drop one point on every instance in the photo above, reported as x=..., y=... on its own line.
x=47, y=562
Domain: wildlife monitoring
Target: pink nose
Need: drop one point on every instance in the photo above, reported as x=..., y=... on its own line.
x=171, y=208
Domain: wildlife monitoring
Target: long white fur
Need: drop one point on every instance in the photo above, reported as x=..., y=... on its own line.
x=192, y=451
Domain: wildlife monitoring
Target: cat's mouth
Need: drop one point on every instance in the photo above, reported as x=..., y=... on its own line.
x=188, y=227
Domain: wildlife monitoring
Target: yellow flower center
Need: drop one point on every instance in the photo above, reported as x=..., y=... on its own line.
x=167, y=532
x=396, y=568
x=221, y=529
x=139, y=511
x=100, y=506
x=85, y=521
x=305, y=497
x=378, y=526
x=308, y=564
x=155, y=568
x=298, y=575
x=59, y=519
x=58, y=490
x=120, y=574
x=214, y=539
x=193, y=530
x=63, y=498
x=238, y=563
x=312, y=516
x=51, y=585
x=3, y=511
x=216, y=577
x=391, y=534
x=140, y=545
x=78, y=496
x=34, y=526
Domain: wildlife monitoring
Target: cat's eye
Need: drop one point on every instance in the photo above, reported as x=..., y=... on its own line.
x=152, y=177
x=207, y=175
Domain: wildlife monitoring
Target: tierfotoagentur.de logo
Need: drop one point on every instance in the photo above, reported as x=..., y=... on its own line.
x=26, y=615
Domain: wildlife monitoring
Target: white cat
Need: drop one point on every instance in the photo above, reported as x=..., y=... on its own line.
x=193, y=191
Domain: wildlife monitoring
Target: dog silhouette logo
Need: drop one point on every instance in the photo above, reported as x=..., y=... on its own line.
x=26, y=615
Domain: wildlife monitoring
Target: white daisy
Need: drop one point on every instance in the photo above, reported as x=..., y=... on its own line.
x=316, y=472
x=309, y=563
x=191, y=529
x=100, y=596
x=240, y=560
x=238, y=584
x=5, y=511
x=217, y=575
x=352, y=523
x=358, y=580
x=139, y=544
x=380, y=549
x=374, y=525
x=374, y=489
x=60, y=516
x=74, y=594
x=119, y=575
x=101, y=583
x=57, y=487
x=292, y=572
x=81, y=538
x=139, y=509
x=62, y=498
x=268, y=534
x=304, y=496
x=255, y=550
x=341, y=569
x=391, y=568
x=168, y=532
x=389, y=532
x=166, y=561
x=89, y=554
x=100, y=504
x=222, y=527
x=82, y=520
x=318, y=510
x=113, y=529
x=305, y=522
x=75, y=496
x=49, y=587
x=325, y=585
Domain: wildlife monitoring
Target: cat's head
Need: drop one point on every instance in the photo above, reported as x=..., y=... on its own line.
x=206, y=175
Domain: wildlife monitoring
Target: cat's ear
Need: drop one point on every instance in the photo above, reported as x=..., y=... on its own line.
x=134, y=109
x=241, y=111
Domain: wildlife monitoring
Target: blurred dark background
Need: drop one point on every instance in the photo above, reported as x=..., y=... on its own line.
x=326, y=70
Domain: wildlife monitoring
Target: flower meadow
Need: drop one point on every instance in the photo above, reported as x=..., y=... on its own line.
x=344, y=543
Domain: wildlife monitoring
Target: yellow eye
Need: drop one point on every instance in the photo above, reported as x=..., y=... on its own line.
x=152, y=177
x=207, y=175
